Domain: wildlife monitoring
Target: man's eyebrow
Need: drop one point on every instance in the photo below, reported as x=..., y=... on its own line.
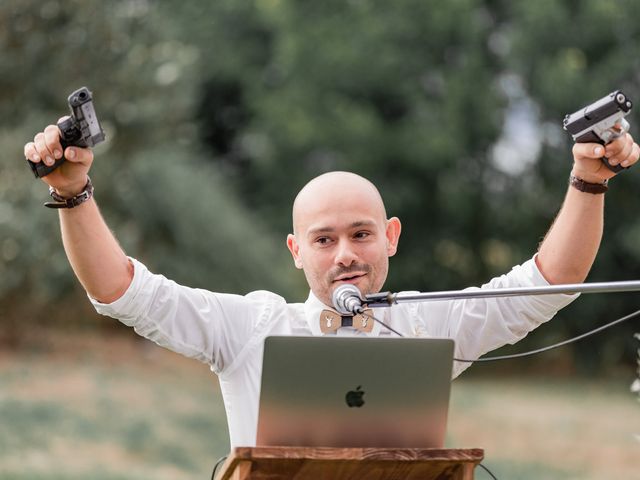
x=357, y=224
x=362, y=223
x=317, y=230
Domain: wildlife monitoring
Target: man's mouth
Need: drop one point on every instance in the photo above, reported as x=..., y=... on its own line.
x=349, y=278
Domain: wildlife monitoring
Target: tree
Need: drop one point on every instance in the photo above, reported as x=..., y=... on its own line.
x=146, y=179
x=218, y=112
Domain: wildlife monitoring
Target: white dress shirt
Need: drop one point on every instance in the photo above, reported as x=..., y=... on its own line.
x=227, y=331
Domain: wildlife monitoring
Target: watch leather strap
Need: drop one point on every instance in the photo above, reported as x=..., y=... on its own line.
x=80, y=198
x=594, y=188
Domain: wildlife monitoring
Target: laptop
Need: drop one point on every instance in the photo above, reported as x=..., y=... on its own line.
x=355, y=392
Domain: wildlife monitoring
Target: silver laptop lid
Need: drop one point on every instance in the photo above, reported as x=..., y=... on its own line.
x=355, y=392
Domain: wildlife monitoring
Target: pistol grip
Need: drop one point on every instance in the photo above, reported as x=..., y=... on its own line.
x=66, y=128
x=613, y=168
x=624, y=128
x=591, y=137
x=41, y=170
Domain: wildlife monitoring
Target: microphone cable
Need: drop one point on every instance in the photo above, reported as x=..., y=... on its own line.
x=362, y=312
x=215, y=467
x=531, y=352
x=488, y=471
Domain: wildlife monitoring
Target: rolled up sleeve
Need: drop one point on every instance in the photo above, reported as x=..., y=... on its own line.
x=481, y=325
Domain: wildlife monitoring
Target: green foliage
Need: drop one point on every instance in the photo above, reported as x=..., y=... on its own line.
x=218, y=112
x=567, y=54
x=144, y=86
x=180, y=214
x=377, y=88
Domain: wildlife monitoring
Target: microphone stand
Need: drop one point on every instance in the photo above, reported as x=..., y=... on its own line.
x=386, y=299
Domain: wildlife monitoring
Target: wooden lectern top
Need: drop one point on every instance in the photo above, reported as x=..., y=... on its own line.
x=261, y=463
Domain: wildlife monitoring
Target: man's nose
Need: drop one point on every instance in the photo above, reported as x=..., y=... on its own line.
x=346, y=254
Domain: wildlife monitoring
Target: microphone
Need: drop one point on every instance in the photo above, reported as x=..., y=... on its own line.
x=347, y=299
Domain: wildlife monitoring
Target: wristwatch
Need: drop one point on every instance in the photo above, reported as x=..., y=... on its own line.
x=587, y=187
x=61, y=202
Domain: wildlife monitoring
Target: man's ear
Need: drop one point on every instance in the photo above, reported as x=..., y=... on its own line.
x=294, y=248
x=394, y=227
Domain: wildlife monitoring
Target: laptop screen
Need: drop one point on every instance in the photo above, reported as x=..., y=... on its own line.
x=355, y=392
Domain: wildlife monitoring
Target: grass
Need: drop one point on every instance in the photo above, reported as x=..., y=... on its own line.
x=116, y=408
x=548, y=428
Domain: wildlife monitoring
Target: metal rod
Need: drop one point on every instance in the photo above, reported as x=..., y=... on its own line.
x=386, y=299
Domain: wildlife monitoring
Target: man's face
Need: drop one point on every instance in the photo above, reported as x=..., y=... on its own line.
x=342, y=236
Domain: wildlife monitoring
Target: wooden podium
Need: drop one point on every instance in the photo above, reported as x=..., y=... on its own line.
x=301, y=463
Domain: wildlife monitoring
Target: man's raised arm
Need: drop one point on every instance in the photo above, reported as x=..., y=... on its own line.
x=94, y=253
x=570, y=247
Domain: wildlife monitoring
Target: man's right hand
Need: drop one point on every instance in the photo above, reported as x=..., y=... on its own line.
x=68, y=179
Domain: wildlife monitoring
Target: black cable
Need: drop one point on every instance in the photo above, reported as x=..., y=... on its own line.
x=366, y=315
x=531, y=352
x=215, y=467
x=556, y=345
x=488, y=471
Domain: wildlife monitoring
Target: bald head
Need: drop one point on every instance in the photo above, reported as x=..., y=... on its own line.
x=330, y=191
x=342, y=234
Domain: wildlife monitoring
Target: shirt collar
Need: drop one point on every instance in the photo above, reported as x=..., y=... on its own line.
x=312, y=309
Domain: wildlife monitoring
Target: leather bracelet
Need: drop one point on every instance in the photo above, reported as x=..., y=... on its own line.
x=594, y=188
x=61, y=202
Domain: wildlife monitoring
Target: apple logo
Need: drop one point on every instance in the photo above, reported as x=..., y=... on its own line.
x=354, y=397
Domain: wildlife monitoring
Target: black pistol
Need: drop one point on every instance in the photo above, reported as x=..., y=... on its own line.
x=81, y=129
x=596, y=123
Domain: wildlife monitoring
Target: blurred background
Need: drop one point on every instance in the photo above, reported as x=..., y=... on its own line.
x=216, y=114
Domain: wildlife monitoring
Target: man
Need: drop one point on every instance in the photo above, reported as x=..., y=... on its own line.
x=341, y=235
